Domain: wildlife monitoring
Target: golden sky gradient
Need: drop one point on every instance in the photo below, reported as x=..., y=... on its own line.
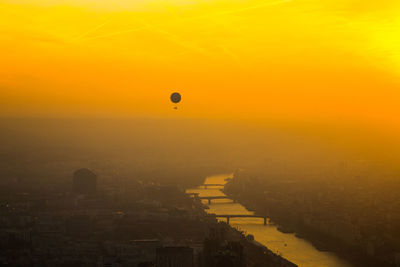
x=281, y=59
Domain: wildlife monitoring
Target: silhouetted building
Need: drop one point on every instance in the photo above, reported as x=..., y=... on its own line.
x=84, y=182
x=109, y=261
x=80, y=226
x=220, y=254
x=232, y=256
x=174, y=257
x=145, y=264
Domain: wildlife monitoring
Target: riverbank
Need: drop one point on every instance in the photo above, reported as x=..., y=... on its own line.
x=296, y=250
x=319, y=240
x=256, y=254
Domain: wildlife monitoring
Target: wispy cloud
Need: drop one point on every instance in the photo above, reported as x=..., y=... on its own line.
x=216, y=14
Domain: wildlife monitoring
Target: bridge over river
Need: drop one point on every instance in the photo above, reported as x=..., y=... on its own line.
x=205, y=186
x=228, y=216
x=209, y=198
x=297, y=250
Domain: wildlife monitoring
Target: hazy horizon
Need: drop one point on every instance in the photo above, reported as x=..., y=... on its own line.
x=139, y=147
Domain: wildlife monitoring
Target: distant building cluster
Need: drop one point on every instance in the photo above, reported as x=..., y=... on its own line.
x=359, y=220
x=84, y=182
x=140, y=225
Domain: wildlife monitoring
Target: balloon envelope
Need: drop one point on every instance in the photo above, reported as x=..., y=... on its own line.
x=176, y=97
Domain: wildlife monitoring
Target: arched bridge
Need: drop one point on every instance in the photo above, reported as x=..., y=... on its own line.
x=207, y=185
x=209, y=198
x=228, y=216
x=195, y=195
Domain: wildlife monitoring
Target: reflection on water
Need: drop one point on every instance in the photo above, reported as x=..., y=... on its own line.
x=298, y=251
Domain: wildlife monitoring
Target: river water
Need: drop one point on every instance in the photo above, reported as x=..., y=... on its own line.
x=296, y=250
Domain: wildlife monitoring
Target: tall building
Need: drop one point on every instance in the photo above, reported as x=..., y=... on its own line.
x=80, y=226
x=84, y=182
x=174, y=257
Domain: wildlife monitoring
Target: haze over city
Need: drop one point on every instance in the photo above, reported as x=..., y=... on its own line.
x=295, y=101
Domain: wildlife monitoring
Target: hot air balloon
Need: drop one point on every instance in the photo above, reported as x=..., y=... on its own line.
x=176, y=98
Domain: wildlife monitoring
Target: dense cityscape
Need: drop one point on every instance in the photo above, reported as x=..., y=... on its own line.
x=141, y=224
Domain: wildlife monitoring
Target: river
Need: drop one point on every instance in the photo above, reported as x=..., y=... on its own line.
x=296, y=250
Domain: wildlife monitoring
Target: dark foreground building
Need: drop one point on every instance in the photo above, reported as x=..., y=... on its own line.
x=84, y=182
x=174, y=257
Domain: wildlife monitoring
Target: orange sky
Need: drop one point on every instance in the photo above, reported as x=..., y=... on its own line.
x=281, y=59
